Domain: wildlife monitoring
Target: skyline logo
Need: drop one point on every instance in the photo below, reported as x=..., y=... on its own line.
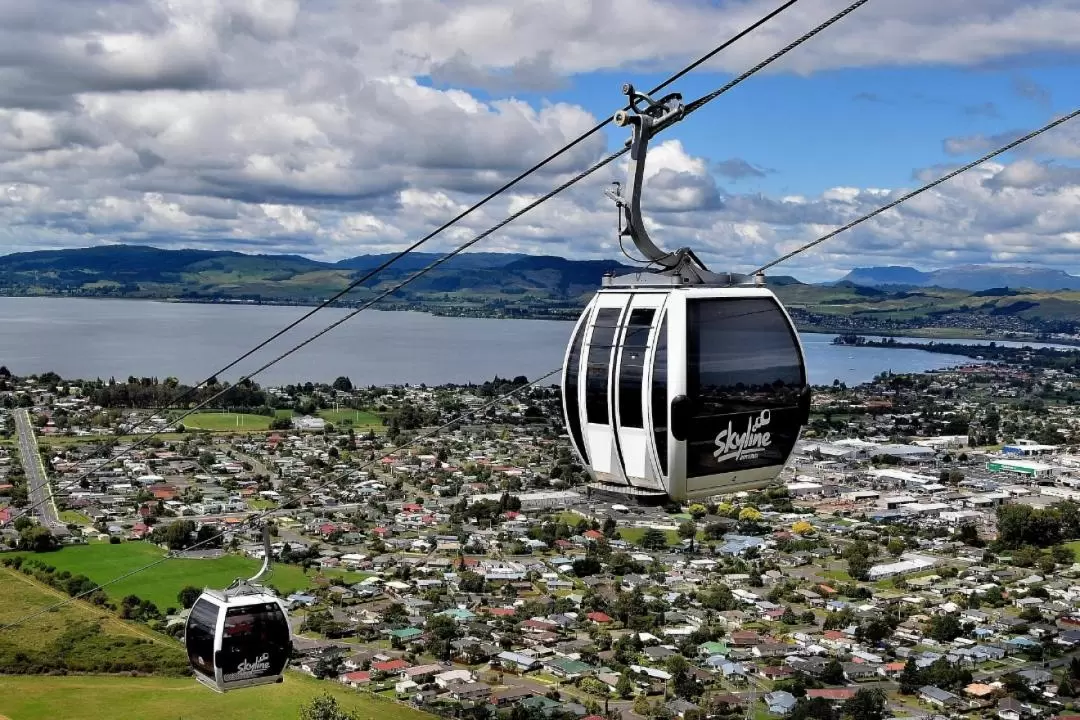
x=749, y=444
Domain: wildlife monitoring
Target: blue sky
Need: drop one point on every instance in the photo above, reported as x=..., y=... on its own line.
x=857, y=127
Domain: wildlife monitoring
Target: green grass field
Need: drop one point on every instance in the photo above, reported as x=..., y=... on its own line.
x=358, y=418
x=71, y=516
x=217, y=421
x=98, y=697
x=102, y=562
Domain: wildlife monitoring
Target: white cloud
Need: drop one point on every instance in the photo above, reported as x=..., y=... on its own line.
x=271, y=125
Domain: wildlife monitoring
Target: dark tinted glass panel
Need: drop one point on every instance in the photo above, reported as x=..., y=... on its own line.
x=659, y=396
x=744, y=377
x=255, y=642
x=598, y=369
x=570, y=401
x=633, y=367
x=202, y=623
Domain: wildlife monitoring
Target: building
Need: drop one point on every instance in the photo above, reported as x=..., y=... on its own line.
x=1023, y=448
x=537, y=500
x=909, y=564
x=1026, y=468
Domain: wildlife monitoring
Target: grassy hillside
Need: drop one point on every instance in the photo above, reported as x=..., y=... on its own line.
x=101, y=697
x=78, y=637
x=128, y=646
x=990, y=311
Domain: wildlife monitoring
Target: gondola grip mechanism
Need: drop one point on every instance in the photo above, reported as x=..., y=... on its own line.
x=647, y=117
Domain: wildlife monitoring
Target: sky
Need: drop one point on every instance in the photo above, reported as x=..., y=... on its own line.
x=336, y=128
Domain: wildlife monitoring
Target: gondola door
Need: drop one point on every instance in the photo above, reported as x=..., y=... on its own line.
x=744, y=394
x=638, y=340
x=597, y=360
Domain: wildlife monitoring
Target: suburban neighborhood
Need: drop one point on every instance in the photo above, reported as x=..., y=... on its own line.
x=917, y=559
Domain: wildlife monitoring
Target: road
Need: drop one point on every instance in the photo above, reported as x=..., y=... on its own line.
x=37, y=481
x=258, y=467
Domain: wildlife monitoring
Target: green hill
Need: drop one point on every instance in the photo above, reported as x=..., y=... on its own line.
x=510, y=285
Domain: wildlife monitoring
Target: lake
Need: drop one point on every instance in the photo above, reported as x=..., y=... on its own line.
x=88, y=338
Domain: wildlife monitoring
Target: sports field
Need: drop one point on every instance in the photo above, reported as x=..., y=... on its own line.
x=103, y=697
x=217, y=421
x=357, y=418
x=160, y=584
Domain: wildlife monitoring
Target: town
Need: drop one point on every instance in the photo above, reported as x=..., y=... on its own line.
x=441, y=547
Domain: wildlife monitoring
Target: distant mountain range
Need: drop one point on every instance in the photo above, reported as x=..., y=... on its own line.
x=965, y=277
x=875, y=299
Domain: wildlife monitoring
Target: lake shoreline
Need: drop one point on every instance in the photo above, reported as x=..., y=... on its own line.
x=928, y=333
x=74, y=337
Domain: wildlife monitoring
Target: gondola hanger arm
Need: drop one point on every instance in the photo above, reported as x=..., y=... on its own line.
x=646, y=117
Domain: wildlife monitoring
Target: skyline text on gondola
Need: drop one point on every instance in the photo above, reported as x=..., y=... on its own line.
x=248, y=669
x=732, y=445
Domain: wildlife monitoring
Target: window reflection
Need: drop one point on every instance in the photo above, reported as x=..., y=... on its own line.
x=659, y=396
x=202, y=624
x=632, y=368
x=255, y=642
x=598, y=369
x=744, y=378
x=573, y=413
x=743, y=355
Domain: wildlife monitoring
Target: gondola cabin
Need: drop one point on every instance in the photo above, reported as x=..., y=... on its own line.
x=687, y=392
x=236, y=641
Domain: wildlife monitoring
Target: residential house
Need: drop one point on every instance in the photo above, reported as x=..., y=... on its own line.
x=471, y=691
x=780, y=702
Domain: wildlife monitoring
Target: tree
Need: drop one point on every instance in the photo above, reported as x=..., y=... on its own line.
x=343, y=383
x=1067, y=686
x=38, y=539
x=324, y=707
x=688, y=531
x=177, y=534
x=641, y=706
x=1063, y=555
x=471, y=582
x=813, y=709
x=896, y=546
x=969, y=535
x=833, y=674
x=867, y=704
x=625, y=687
x=802, y=527
x=945, y=628
x=586, y=566
x=188, y=595
x=910, y=678
x=858, y=555
x=750, y=515
x=859, y=567
x=654, y=539
x=441, y=631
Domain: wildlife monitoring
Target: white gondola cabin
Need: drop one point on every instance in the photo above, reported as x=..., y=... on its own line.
x=681, y=382
x=689, y=392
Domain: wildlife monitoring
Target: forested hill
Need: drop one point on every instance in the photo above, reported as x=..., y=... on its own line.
x=145, y=272
x=510, y=285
